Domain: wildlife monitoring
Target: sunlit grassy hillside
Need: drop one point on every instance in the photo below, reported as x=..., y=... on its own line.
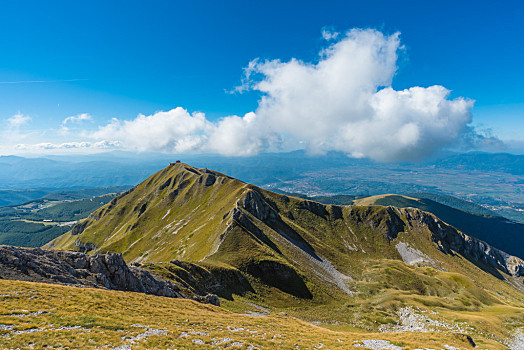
x=34, y=315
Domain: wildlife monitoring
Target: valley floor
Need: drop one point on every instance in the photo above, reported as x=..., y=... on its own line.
x=36, y=315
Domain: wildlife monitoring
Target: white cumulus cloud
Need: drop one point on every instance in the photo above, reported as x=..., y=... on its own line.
x=179, y=131
x=343, y=101
x=239, y=136
x=173, y=131
x=329, y=34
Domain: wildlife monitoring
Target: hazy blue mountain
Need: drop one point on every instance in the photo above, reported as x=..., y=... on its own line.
x=24, y=173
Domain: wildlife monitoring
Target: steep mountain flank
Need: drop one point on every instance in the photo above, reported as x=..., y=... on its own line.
x=300, y=247
x=176, y=213
x=495, y=230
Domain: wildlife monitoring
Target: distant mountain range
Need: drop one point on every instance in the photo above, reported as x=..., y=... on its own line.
x=501, y=162
x=495, y=181
x=43, y=173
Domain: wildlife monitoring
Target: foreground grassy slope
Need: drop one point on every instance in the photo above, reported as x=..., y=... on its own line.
x=34, y=315
x=501, y=233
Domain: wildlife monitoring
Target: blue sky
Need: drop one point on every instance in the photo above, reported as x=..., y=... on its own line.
x=119, y=59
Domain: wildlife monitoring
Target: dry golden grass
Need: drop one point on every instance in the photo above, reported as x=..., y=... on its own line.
x=104, y=319
x=372, y=199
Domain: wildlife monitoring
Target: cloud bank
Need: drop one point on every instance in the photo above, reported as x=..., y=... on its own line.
x=47, y=146
x=343, y=102
x=173, y=131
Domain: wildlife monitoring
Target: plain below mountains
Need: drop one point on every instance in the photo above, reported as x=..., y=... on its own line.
x=36, y=222
x=495, y=180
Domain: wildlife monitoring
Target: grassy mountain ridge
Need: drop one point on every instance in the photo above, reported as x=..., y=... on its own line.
x=502, y=233
x=450, y=201
x=346, y=267
x=147, y=206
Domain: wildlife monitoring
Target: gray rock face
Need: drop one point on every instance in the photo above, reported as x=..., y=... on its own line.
x=208, y=299
x=413, y=256
x=314, y=207
x=386, y=220
x=394, y=223
x=85, y=247
x=79, y=228
x=107, y=271
x=255, y=204
x=209, y=180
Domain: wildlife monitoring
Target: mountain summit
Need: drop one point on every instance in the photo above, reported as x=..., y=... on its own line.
x=300, y=247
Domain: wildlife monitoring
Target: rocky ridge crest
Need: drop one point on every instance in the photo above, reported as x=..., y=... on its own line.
x=107, y=271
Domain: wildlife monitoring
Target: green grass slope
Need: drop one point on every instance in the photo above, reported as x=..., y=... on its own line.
x=175, y=213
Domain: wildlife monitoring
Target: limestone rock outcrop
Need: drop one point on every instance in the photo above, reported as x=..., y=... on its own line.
x=108, y=271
